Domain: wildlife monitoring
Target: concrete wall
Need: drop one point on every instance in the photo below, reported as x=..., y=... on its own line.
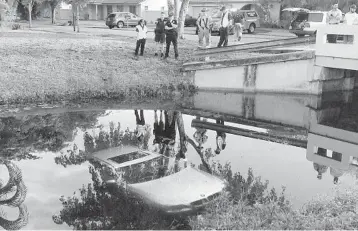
x=289, y=76
x=284, y=109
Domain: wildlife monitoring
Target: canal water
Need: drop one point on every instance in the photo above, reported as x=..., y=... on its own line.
x=267, y=133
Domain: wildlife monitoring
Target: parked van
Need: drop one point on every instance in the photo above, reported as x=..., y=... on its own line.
x=251, y=20
x=306, y=22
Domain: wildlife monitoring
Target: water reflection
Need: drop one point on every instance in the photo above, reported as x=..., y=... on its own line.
x=323, y=144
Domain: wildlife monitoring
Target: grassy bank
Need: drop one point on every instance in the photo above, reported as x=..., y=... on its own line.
x=46, y=67
x=249, y=204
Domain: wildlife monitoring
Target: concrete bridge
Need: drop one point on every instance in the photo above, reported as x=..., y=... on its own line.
x=328, y=67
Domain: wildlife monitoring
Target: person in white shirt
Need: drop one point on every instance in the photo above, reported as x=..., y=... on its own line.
x=224, y=27
x=334, y=17
x=204, y=24
x=142, y=31
x=351, y=17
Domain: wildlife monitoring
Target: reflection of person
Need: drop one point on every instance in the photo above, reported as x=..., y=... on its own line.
x=224, y=27
x=336, y=173
x=171, y=36
x=321, y=169
x=141, y=127
x=169, y=129
x=200, y=135
x=204, y=24
x=334, y=17
x=158, y=130
x=220, y=138
x=160, y=34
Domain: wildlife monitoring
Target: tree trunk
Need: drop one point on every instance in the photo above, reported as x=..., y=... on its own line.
x=170, y=6
x=183, y=8
x=30, y=17
x=53, y=21
x=176, y=10
x=78, y=18
x=73, y=16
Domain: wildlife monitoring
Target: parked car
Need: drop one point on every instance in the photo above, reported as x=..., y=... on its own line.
x=190, y=21
x=121, y=19
x=173, y=192
x=251, y=21
x=306, y=22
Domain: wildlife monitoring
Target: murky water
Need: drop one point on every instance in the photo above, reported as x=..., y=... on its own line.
x=49, y=152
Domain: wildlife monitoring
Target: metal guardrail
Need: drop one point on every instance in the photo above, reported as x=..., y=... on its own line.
x=246, y=47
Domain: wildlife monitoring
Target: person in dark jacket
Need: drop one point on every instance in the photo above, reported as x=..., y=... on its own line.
x=160, y=35
x=171, y=34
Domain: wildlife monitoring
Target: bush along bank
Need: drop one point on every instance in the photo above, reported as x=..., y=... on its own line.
x=129, y=94
x=248, y=204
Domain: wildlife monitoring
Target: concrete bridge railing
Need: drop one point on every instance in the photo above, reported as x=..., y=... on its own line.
x=341, y=53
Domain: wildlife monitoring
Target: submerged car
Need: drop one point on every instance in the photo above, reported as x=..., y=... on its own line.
x=122, y=19
x=146, y=176
x=306, y=22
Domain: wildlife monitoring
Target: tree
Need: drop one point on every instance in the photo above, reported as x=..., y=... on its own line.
x=183, y=8
x=171, y=6
x=53, y=5
x=29, y=4
x=4, y=7
x=76, y=7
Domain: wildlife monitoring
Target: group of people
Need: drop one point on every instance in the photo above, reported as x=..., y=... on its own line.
x=205, y=24
x=165, y=33
x=335, y=17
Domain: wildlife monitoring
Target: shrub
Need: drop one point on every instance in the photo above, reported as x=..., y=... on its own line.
x=16, y=26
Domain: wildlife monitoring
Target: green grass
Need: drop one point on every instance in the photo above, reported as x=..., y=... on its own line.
x=46, y=67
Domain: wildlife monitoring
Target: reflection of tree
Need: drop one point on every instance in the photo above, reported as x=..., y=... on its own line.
x=14, y=184
x=21, y=136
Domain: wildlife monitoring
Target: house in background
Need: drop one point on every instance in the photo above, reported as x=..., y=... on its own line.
x=195, y=6
x=99, y=9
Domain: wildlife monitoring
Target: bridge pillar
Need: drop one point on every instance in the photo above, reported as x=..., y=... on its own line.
x=326, y=79
x=336, y=62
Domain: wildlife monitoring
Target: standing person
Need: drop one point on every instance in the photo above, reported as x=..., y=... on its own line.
x=171, y=34
x=334, y=17
x=238, y=20
x=351, y=17
x=160, y=34
x=220, y=138
x=204, y=24
x=142, y=31
x=224, y=27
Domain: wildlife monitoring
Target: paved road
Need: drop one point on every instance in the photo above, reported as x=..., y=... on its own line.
x=99, y=28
